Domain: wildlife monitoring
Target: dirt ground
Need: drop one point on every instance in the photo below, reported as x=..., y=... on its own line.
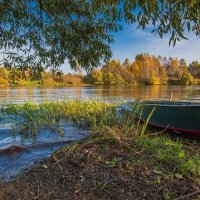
x=98, y=170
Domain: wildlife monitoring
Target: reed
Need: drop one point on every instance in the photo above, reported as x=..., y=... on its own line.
x=95, y=114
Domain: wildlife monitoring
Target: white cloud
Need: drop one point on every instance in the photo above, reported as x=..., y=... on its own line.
x=187, y=49
x=137, y=41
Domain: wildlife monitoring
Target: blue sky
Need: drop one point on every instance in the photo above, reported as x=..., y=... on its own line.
x=131, y=41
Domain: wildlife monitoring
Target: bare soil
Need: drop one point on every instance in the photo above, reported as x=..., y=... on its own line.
x=99, y=170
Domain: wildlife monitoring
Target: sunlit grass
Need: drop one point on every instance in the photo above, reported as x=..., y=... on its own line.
x=172, y=153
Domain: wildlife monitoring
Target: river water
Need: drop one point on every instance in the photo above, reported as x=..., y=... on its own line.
x=32, y=149
x=46, y=142
x=116, y=93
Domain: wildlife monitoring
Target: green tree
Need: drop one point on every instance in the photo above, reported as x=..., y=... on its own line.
x=47, y=32
x=194, y=69
x=97, y=77
x=187, y=79
x=108, y=78
x=36, y=73
x=14, y=75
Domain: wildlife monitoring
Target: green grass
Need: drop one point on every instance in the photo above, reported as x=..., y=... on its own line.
x=33, y=116
x=172, y=153
x=95, y=114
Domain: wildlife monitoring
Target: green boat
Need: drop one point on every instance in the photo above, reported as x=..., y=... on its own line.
x=181, y=117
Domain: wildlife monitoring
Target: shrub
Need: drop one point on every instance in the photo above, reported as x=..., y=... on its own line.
x=187, y=79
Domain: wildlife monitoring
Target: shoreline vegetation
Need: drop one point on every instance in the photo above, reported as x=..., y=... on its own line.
x=144, y=70
x=121, y=159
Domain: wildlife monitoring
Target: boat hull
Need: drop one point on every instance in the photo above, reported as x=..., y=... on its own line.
x=180, y=117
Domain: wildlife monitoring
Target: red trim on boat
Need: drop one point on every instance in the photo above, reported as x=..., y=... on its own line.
x=191, y=131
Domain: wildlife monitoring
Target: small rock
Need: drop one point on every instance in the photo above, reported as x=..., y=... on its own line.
x=44, y=166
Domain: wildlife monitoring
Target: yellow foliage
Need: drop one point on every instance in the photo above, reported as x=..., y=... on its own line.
x=187, y=79
x=154, y=81
x=3, y=81
x=21, y=82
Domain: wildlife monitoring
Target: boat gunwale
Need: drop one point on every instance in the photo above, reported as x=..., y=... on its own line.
x=173, y=105
x=167, y=104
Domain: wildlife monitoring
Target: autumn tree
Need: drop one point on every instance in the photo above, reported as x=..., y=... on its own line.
x=173, y=68
x=126, y=63
x=187, y=79
x=97, y=77
x=194, y=69
x=108, y=78
x=183, y=67
x=4, y=73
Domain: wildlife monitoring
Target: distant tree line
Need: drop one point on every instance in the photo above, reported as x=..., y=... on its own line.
x=146, y=69
x=37, y=76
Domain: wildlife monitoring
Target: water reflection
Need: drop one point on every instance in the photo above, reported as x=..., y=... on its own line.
x=21, y=94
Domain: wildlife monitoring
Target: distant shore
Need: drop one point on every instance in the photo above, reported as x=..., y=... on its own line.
x=57, y=84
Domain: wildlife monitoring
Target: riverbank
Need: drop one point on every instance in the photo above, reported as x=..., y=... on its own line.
x=78, y=84
x=120, y=160
x=103, y=168
x=38, y=84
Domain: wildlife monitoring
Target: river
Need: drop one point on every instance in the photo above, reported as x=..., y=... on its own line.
x=114, y=93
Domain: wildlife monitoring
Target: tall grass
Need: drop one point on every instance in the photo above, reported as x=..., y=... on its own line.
x=95, y=114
